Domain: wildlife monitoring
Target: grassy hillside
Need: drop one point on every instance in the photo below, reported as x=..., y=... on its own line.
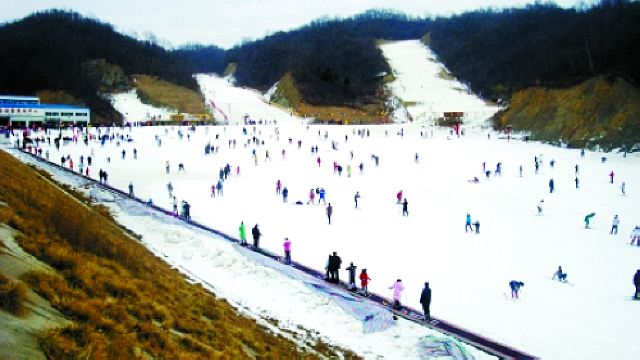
x=122, y=300
x=602, y=111
x=162, y=93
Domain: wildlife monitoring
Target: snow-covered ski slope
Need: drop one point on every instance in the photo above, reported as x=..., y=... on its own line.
x=255, y=289
x=592, y=317
x=133, y=110
x=236, y=103
x=420, y=85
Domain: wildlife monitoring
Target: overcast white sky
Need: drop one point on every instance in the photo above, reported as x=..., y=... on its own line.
x=227, y=22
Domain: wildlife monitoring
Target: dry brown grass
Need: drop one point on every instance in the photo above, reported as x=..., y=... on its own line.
x=12, y=296
x=601, y=112
x=124, y=302
x=163, y=93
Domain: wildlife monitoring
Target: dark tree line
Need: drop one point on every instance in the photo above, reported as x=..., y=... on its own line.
x=332, y=61
x=498, y=52
x=59, y=50
x=495, y=51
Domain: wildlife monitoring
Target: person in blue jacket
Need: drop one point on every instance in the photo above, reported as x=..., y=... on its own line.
x=515, y=288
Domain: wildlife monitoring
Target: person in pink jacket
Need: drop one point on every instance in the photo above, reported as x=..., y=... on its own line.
x=397, y=288
x=287, y=251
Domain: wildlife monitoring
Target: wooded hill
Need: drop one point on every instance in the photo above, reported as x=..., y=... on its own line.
x=495, y=51
x=83, y=57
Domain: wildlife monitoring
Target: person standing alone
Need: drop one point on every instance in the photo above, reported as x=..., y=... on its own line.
x=329, y=212
x=425, y=300
x=287, y=251
x=614, y=225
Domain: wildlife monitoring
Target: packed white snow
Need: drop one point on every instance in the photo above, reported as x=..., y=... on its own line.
x=591, y=316
x=134, y=110
x=426, y=88
x=234, y=105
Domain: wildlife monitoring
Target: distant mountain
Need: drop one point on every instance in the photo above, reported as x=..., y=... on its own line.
x=60, y=50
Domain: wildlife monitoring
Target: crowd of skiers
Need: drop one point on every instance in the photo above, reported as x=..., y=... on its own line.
x=334, y=262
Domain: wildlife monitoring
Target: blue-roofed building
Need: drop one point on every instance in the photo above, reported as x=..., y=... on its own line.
x=23, y=111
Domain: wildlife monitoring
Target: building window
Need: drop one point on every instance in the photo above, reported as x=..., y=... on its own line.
x=81, y=114
x=66, y=114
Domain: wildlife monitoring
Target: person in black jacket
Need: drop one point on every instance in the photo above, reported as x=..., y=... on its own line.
x=352, y=276
x=334, y=265
x=636, y=282
x=425, y=300
x=255, y=232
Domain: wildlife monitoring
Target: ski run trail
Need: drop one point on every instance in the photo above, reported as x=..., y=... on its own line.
x=593, y=317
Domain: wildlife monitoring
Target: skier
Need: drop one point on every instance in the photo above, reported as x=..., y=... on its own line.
x=287, y=251
x=219, y=187
x=425, y=300
x=551, y=185
x=515, y=288
x=560, y=275
x=352, y=276
x=329, y=212
x=467, y=226
x=636, y=282
x=614, y=225
x=397, y=288
x=312, y=197
x=243, y=234
x=321, y=196
x=587, y=219
x=540, y=204
x=256, y=236
x=405, y=207
x=611, y=174
x=356, y=197
x=130, y=189
x=399, y=197
x=364, y=281
x=635, y=236
x=285, y=194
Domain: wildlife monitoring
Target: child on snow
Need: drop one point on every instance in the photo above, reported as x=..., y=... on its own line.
x=397, y=288
x=364, y=281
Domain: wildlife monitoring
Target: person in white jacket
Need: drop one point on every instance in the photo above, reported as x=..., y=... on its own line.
x=397, y=288
x=635, y=236
x=614, y=225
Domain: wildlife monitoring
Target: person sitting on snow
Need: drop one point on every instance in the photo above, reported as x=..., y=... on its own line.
x=560, y=275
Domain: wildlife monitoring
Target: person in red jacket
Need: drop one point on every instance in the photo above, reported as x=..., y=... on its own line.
x=364, y=281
